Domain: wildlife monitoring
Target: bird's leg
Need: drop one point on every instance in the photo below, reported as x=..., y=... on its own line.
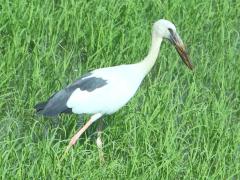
x=82, y=130
x=99, y=140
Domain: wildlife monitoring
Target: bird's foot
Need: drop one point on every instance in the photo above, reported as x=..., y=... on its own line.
x=72, y=142
x=100, y=144
x=100, y=149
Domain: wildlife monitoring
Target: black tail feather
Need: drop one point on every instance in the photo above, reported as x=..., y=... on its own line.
x=55, y=105
x=45, y=109
x=40, y=106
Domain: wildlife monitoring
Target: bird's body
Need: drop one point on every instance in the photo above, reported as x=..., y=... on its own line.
x=106, y=90
x=121, y=84
x=110, y=89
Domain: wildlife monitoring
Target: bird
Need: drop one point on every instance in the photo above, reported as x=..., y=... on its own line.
x=106, y=90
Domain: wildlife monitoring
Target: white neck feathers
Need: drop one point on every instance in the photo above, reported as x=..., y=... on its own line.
x=148, y=62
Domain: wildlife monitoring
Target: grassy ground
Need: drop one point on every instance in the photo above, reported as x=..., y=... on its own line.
x=179, y=124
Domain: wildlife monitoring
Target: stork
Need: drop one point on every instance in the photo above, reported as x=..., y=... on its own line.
x=104, y=91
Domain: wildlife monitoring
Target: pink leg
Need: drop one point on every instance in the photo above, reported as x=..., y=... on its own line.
x=82, y=130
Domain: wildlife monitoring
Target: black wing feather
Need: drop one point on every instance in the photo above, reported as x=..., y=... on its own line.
x=56, y=104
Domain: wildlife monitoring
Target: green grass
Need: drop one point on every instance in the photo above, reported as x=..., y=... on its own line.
x=179, y=125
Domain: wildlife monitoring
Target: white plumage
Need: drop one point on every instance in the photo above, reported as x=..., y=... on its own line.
x=122, y=83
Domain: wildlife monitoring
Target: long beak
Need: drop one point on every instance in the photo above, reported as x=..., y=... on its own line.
x=177, y=42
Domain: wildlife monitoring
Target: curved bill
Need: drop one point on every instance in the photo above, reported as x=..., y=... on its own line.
x=177, y=42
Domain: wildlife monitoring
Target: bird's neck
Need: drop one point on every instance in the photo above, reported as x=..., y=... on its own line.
x=148, y=62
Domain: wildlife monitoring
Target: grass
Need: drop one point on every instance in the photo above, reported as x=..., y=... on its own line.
x=179, y=125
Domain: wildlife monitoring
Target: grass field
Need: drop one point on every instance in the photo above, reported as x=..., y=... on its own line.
x=179, y=125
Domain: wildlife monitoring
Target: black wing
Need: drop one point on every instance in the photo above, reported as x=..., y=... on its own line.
x=56, y=104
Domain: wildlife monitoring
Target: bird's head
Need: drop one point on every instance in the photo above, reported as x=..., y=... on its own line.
x=167, y=30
